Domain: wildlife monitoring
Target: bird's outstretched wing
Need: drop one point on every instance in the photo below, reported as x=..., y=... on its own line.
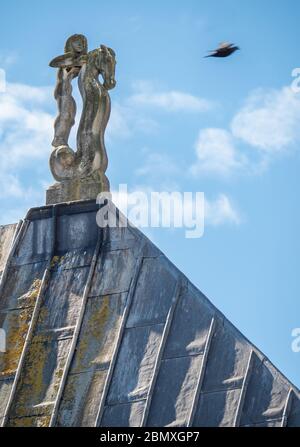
x=223, y=45
x=224, y=49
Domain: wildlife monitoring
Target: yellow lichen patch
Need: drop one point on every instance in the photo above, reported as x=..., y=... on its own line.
x=31, y=421
x=40, y=378
x=17, y=324
x=35, y=364
x=29, y=298
x=58, y=375
x=43, y=314
x=93, y=333
x=34, y=289
x=70, y=391
x=98, y=320
x=56, y=260
x=31, y=386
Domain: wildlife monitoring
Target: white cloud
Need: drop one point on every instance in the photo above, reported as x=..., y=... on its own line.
x=12, y=215
x=29, y=93
x=118, y=125
x=25, y=128
x=171, y=101
x=25, y=134
x=216, y=152
x=157, y=164
x=7, y=59
x=126, y=121
x=10, y=186
x=269, y=120
x=221, y=211
x=268, y=123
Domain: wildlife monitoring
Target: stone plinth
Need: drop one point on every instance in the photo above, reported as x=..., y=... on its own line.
x=77, y=189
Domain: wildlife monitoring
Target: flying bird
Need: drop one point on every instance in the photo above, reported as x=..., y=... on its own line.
x=225, y=49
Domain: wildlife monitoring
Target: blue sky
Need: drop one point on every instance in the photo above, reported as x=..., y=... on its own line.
x=229, y=128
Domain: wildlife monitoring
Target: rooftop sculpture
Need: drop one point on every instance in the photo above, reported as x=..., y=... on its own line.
x=81, y=174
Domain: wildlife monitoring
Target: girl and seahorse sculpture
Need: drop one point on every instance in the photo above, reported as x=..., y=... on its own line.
x=81, y=174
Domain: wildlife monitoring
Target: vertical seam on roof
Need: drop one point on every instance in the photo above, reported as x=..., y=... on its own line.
x=166, y=331
x=246, y=380
x=122, y=328
x=210, y=335
x=77, y=328
x=287, y=408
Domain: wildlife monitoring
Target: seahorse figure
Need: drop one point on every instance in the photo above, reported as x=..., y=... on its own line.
x=74, y=170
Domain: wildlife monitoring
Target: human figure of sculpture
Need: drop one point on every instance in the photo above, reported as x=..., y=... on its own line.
x=89, y=162
x=75, y=47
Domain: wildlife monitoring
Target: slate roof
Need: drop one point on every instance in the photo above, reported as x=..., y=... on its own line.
x=102, y=329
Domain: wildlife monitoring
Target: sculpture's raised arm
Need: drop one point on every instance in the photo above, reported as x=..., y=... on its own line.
x=68, y=60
